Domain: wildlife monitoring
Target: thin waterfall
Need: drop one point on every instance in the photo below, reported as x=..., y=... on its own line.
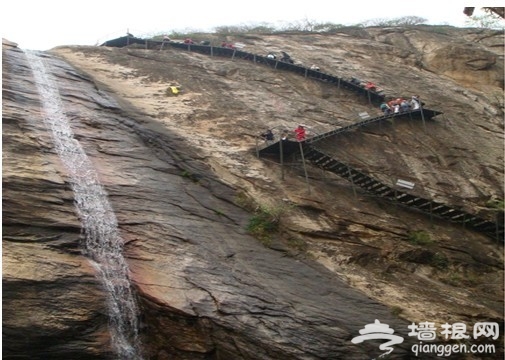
x=103, y=245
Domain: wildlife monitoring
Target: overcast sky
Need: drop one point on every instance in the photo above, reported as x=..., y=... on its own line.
x=44, y=24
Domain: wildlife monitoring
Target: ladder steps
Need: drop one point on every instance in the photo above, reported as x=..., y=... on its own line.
x=356, y=178
x=458, y=217
x=476, y=222
x=407, y=199
x=376, y=186
x=415, y=202
x=426, y=206
x=441, y=210
x=338, y=168
x=401, y=196
x=384, y=190
x=438, y=207
x=321, y=160
x=330, y=163
x=390, y=193
x=364, y=182
x=485, y=225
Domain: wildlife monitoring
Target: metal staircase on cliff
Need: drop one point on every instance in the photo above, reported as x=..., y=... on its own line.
x=373, y=97
x=426, y=114
x=375, y=187
x=429, y=207
x=281, y=65
x=328, y=163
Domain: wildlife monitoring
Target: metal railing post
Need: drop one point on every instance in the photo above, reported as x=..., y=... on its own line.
x=304, y=167
x=352, y=182
x=282, y=157
x=422, y=115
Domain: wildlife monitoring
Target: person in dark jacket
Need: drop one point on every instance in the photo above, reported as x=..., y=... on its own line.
x=385, y=108
x=268, y=135
x=286, y=58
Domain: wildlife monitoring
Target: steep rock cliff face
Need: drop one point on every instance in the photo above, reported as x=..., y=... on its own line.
x=177, y=171
x=206, y=288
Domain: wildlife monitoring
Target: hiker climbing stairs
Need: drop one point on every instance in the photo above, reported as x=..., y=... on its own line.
x=373, y=186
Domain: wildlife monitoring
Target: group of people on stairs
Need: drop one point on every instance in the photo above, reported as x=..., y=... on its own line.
x=399, y=105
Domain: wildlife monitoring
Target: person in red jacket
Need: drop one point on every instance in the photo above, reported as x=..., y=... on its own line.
x=370, y=86
x=300, y=133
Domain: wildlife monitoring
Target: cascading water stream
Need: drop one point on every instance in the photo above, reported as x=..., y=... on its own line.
x=103, y=244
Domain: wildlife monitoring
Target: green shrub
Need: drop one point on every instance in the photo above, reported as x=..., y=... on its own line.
x=265, y=223
x=188, y=175
x=419, y=237
x=439, y=260
x=496, y=204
